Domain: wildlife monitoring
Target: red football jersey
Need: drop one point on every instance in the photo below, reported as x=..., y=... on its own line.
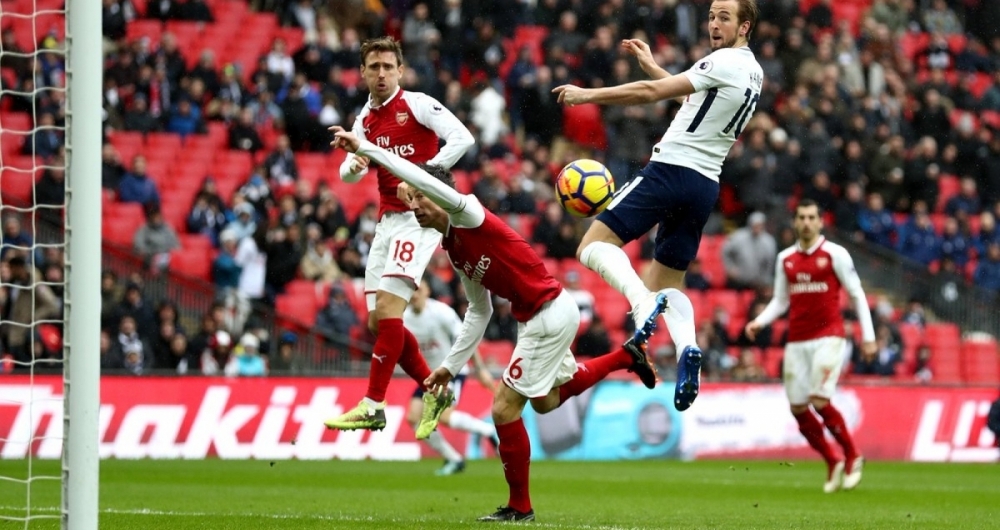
x=408, y=125
x=813, y=289
x=495, y=256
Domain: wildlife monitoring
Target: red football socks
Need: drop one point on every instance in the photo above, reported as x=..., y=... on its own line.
x=515, y=453
x=812, y=429
x=590, y=372
x=834, y=421
x=411, y=361
x=386, y=352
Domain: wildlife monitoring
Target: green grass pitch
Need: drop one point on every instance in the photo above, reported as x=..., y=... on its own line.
x=217, y=494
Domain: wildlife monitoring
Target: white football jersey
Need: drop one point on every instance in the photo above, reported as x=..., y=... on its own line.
x=436, y=328
x=727, y=86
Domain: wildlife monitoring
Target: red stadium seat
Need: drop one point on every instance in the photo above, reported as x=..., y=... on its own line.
x=582, y=124
x=193, y=263
x=299, y=308
x=17, y=186
x=981, y=362
x=944, y=340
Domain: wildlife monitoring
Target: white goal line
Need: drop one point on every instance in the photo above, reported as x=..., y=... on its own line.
x=292, y=517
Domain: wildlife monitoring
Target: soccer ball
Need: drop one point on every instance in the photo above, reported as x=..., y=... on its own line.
x=584, y=187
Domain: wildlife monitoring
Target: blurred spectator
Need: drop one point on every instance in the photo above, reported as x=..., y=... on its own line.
x=244, y=225
x=939, y=18
x=876, y=222
x=485, y=52
x=163, y=10
x=46, y=140
x=225, y=271
x=848, y=210
x=243, y=134
x=566, y=35
x=130, y=351
x=178, y=353
x=136, y=186
x=630, y=128
x=110, y=296
x=336, y=319
x=15, y=58
x=280, y=164
x=820, y=16
x=748, y=255
x=287, y=361
x=987, y=273
x=542, y=112
x=217, y=358
x=764, y=337
x=278, y=60
x=548, y=226
x=583, y=298
x=162, y=346
x=284, y=253
x=15, y=238
x=502, y=325
x=594, y=340
x=819, y=190
x=967, y=200
x=955, y=244
x=50, y=190
x=914, y=313
x=922, y=172
x=486, y=113
x=155, y=240
x=185, y=119
x=133, y=304
x=747, y=367
x=206, y=218
x=989, y=233
x=884, y=361
x=252, y=258
x=717, y=361
x=886, y=171
x=917, y=239
x=518, y=199
x=248, y=360
x=138, y=118
x=23, y=302
x=317, y=263
x=565, y=242
x=257, y=192
x=695, y=278
x=111, y=168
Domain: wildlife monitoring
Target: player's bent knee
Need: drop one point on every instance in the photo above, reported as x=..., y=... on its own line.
x=818, y=402
x=798, y=409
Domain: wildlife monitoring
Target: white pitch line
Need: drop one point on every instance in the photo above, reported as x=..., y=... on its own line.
x=280, y=516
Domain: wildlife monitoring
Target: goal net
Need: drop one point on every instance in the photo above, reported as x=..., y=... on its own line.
x=50, y=210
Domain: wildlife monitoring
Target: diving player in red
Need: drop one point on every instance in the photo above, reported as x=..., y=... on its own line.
x=807, y=283
x=492, y=257
x=410, y=125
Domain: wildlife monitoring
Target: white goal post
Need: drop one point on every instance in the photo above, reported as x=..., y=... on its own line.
x=81, y=371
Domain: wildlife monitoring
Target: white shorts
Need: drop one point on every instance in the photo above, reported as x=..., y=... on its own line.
x=542, y=358
x=812, y=368
x=400, y=250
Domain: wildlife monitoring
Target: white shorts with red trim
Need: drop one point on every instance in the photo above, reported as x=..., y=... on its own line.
x=542, y=358
x=812, y=368
x=400, y=252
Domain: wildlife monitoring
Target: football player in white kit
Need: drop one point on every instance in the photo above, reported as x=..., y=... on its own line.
x=679, y=187
x=436, y=326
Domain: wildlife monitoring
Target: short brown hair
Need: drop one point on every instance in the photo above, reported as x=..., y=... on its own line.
x=747, y=11
x=439, y=173
x=806, y=203
x=382, y=44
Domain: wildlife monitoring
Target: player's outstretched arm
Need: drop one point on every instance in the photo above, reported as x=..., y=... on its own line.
x=635, y=93
x=477, y=317
x=775, y=308
x=843, y=267
x=437, y=191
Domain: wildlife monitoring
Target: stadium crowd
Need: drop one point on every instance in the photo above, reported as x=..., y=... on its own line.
x=886, y=112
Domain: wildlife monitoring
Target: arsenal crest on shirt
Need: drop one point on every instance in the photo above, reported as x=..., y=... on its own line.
x=401, y=118
x=822, y=262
